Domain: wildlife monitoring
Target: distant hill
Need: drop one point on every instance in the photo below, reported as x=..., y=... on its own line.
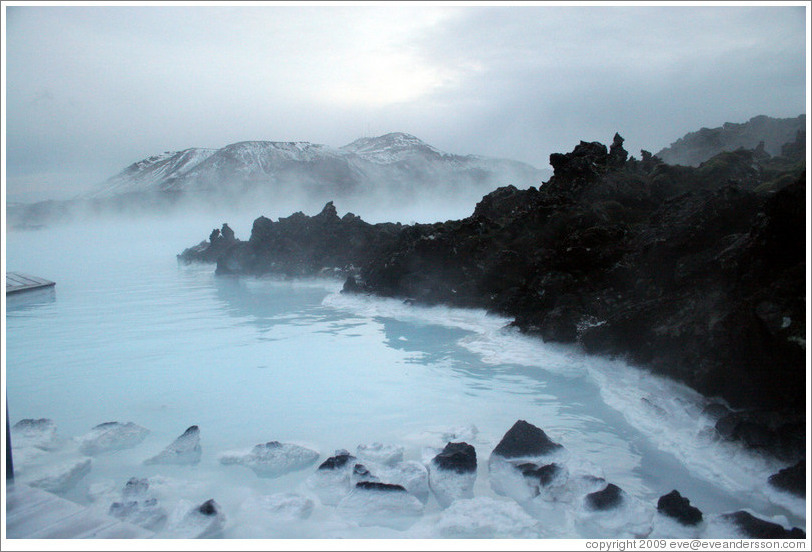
x=395, y=163
x=697, y=147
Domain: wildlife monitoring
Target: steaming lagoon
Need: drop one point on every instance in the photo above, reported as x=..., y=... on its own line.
x=130, y=335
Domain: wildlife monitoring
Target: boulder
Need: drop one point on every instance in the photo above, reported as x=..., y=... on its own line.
x=525, y=440
x=183, y=450
x=138, y=506
x=675, y=506
x=38, y=433
x=332, y=480
x=610, y=497
x=382, y=454
x=272, y=459
x=111, y=437
x=372, y=503
x=452, y=473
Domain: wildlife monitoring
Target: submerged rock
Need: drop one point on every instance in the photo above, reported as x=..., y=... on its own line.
x=757, y=528
x=272, y=459
x=525, y=440
x=675, y=506
x=452, y=473
x=183, y=450
x=110, y=437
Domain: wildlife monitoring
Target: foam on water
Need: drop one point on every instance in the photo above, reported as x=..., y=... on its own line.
x=130, y=336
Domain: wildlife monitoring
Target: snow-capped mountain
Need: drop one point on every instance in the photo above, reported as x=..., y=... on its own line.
x=395, y=162
x=150, y=173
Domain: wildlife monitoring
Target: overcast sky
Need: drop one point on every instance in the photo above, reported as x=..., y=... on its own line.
x=90, y=90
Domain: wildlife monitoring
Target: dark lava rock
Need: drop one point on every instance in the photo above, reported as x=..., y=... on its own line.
x=782, y=434
x=606, y=499
x=543, y=474
x=791, y=479
x=696, y=273
x=678, y=507
x=756, y=528
x=209, y=508
x=377, y=486
x=337, y=461
x=297, y=245
x=457, y=457
x=524, y=439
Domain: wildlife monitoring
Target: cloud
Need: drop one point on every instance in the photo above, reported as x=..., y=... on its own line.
x=92, y=89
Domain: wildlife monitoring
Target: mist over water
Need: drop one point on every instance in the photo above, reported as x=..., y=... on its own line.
x=128, y=334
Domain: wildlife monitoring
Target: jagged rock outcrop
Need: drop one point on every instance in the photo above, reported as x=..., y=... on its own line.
x=297, y=245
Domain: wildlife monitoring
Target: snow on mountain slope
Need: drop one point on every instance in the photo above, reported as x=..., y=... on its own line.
x=392, y=148
x=149, y=173
x=395, y=162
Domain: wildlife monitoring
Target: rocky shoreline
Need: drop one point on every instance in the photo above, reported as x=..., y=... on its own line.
x=378, y=485
x=696, y=273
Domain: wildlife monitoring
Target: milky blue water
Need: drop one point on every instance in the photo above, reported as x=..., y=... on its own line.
x=128, y=334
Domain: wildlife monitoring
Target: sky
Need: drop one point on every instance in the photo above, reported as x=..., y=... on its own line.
x=90, y=90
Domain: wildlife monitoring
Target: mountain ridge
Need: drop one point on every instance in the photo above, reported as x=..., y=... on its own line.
x=390, y=160
x=699, y=146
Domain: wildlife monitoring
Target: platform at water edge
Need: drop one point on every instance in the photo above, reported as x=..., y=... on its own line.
x=17, y=282
x=36, y=514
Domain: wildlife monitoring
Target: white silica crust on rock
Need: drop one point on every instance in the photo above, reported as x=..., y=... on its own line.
x=183, y=450
x=111, y=436
x=62, y=479
x=448, y=485
x=485, y=518
x=411, y=475
x=396, y=509
x=272, y=459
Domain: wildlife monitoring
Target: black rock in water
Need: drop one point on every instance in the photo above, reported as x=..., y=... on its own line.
x=606, y=499
x=208, y=508
x=524, y=439
x=457, y=457
x=337, y=461
x=791, y=479
x=756, y=528
x=676, y=506
x=377, y=486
